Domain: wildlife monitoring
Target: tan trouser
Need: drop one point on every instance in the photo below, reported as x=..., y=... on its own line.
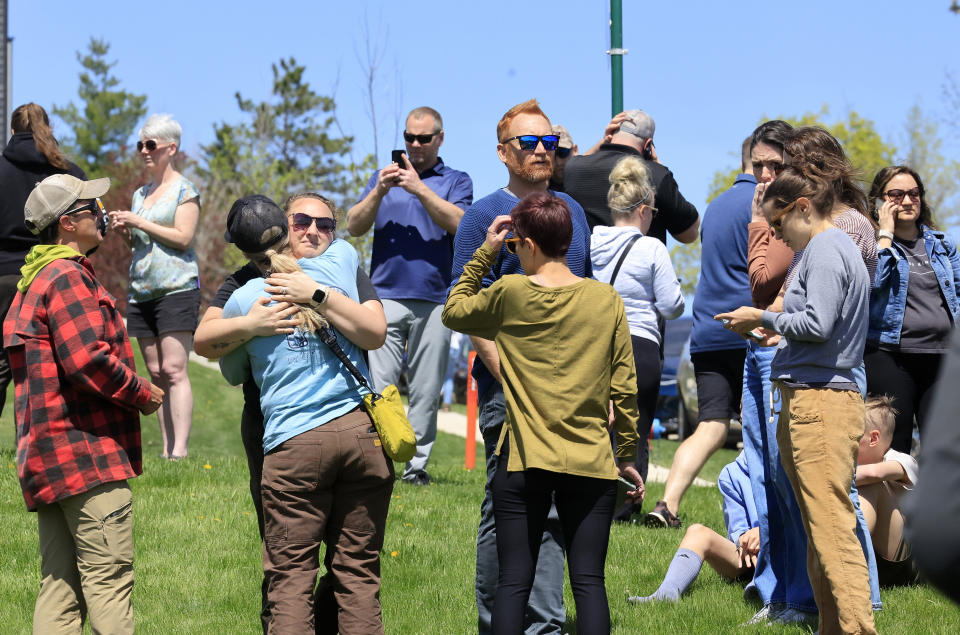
x=86, y=552
x=818, y=431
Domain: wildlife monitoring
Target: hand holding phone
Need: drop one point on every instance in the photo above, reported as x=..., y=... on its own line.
x=397, y=157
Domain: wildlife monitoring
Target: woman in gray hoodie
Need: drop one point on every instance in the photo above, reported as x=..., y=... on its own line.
x=639, y=268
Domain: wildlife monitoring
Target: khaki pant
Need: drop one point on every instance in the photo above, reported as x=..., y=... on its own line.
x=818, y=431
x=330, y=483
x=86, y=552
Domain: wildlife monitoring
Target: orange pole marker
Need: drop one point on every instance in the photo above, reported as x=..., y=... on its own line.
x=470, y=453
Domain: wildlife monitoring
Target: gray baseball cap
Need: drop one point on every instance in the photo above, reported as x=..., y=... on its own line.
x=639, y=124
x=566, y=141
x=55, y=195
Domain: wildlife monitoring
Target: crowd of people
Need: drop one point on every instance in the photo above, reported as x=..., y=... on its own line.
x=821, y=319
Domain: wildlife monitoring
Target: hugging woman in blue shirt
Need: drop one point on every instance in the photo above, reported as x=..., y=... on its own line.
x=913, y=306
x=311, y=401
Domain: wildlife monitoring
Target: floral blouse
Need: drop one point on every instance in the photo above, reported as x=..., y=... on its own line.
x=156, y=269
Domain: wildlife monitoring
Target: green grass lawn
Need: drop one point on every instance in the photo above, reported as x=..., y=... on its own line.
x=198, y=554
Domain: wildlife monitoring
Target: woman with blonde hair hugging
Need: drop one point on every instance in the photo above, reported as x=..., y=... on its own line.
x=310, y=399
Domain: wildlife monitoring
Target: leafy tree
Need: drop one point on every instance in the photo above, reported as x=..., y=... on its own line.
x=867, y=151
x=106, y=116
x=940, y=176
x=286, y=144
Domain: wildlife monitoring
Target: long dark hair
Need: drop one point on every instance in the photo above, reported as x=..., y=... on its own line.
x=32, y=118
x=880, y=184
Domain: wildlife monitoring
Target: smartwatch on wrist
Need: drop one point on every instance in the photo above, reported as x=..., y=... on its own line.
x=320, y=295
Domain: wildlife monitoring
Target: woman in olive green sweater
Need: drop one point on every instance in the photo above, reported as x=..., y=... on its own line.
x=566, y=360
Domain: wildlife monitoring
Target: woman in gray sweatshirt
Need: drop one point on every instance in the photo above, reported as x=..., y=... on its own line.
x=820, y=334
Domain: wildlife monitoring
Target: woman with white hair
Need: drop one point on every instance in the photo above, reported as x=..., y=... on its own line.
x=164, y=295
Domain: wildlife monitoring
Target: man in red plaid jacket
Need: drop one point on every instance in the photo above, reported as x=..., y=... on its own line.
x=76, y=409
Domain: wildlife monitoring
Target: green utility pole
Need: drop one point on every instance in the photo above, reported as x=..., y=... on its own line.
x=616, y=53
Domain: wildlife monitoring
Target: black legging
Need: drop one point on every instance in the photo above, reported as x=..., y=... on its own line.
x=908, y=378
x=649, y=365
x=521, y=501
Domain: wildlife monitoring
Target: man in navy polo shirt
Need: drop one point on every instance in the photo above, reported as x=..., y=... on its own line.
x=526, y=145
x=414, y=209
x=716, y=353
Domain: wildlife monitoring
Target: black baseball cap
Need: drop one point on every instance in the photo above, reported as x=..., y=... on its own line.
x=255, y=223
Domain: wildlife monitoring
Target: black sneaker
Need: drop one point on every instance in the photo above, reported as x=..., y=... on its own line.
x=417, y=478
x=661, y=517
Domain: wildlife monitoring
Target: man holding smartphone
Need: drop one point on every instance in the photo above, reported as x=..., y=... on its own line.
x=414, y=207
x=587, y=178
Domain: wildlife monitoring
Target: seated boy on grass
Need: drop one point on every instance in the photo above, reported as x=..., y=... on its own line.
x=883, y=476
x=733, y=556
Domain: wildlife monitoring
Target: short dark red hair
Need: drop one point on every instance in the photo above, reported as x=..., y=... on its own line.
x=545, y=219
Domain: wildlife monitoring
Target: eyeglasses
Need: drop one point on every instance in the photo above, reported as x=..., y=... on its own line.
x=424, y=139
x=563, y=153
x=896, y=196
x=302, y=222
x=512, y=243
x=530, y=141
x=776, y=223
x=150, y=145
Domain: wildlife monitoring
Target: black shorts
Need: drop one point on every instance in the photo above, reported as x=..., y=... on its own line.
x=171, y=313
x=719, y=383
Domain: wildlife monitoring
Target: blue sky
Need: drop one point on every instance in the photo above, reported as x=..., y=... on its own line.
x=706, y=71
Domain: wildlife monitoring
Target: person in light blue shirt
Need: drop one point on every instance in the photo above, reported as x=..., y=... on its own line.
x=310, y=400
x=733, y=556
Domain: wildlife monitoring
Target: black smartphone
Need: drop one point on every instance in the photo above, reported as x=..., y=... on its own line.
x=647, y=154
x=397, y=157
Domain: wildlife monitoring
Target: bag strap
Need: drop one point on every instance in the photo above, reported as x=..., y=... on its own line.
x=623, y=256
x=327, y=337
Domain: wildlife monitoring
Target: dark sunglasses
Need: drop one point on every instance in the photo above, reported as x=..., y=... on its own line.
x=96, y=208
x=563, y=153
x=896, y=196
x=530, y=141
x=302, y=222
x=149, y=144
x=424, y=139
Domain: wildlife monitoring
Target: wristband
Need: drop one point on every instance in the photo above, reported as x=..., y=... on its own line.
x=883, y=233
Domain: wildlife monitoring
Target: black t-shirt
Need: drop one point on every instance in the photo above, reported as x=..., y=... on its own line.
x=587, y=179
x=926, y=317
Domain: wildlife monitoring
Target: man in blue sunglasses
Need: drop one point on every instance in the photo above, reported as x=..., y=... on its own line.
x=527, y=146
x=586, y=178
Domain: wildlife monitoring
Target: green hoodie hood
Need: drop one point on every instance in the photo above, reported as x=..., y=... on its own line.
x=38, y=258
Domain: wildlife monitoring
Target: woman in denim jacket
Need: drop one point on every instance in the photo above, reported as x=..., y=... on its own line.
x=913, y=305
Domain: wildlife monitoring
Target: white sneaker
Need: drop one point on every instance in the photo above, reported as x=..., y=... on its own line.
x=766, y=614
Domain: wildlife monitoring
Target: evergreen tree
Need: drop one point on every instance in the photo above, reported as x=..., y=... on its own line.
x=106, y=117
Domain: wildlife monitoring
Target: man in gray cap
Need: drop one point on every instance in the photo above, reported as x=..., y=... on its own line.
x=78, y=398
x=566, y=148
x=586, y=178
